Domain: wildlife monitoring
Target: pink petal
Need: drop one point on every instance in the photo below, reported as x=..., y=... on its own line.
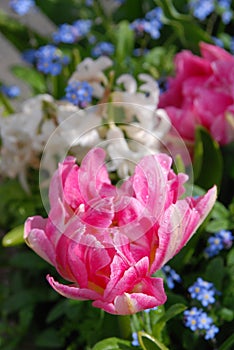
x=36, y=237
x=93, y=174
x=179, y=224
x=213, y=53
x=152, y=295
x=72, y=291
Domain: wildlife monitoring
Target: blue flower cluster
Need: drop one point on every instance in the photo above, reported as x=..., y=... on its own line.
x=151, y=24
x=201, y=9
x=198, y=320
x=219, y=241
x=71, y=33
x=171, y=276
x=50, y=60
x=203, y=291
x=11, y=91
x=79, y=93
x=21, y=7
x=103, y=48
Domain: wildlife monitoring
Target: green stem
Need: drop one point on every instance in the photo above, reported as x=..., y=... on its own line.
x=8, y=107
x=124, y=326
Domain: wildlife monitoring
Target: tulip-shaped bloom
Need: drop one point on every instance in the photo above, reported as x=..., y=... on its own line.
x=202, y=93
x=109, y=240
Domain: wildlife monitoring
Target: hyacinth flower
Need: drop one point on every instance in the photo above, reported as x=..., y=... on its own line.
x=108, y=241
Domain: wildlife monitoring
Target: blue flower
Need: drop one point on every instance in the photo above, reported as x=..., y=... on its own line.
x=211, y=331
x=79, y=93
x=225, y=6
x=65, y=34
x=201, y=9
x=171, y=276
x=226, y=237
x=103, y=48
x=192, y=318
x=135, y=341
x=219, y=241
x=10, y=91
x=70, y=33
x=22, y=7
x=155, y=14
x=203, y=291
x=82, y=26
x=151, y=24
x=29, y=56
x=204, y=321
x=49, y=60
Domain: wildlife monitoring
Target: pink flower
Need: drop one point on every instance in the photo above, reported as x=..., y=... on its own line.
x=202, y=93
x=107, y=240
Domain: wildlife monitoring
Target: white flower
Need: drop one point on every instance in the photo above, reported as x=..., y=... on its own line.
x=92, y=71
x=22, y=139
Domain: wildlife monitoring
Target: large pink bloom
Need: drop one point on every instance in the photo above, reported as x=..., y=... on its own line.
x=202, y=93
x=107, y=240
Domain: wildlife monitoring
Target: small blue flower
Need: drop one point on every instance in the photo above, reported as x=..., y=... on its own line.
x=11, y=91
x=29, y=56
x=225, y=6
x=192, y=318
x=171, y=276
x=155, y=14
x=65, y=34
x=71, y=33
x=203, y=291
x=82, y=26
x=103, y=48
x=204, y=321
x=135, y=341
x=201, y=9
x=226, y=237
x=49, y=60
x=79, y=93
x=211, y=331
x=219, y=241
x=138, y=26
x=21, y=7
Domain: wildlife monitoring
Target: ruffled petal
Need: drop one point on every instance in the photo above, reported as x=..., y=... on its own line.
x=36, y=237
x=180, y=222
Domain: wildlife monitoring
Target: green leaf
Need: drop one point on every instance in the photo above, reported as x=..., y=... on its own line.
x=169, y=314
x=31, y=77
x=217, y=266
x=150, y=343
x=112, y=344
x=50, y=338
x=226, y=314
x=208, y=163
x=14, y=237
x=189, y=33
x=228, y=343
x=125, y=41
x=217, y=225
x=219, y=211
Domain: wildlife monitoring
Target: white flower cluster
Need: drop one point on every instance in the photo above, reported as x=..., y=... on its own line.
x=125, y=121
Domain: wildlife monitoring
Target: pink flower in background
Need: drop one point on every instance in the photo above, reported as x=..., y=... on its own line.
x=108, y=241
x=202, y=93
